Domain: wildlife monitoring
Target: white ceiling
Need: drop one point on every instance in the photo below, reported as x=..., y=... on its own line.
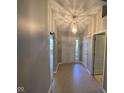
x=84, y=10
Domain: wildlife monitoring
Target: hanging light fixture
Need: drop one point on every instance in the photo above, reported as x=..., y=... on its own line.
x=74, y=26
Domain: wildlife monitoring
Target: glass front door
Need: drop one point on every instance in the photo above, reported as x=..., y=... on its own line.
x=76, y=50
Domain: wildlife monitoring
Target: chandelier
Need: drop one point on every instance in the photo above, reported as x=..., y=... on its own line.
x=74, y=25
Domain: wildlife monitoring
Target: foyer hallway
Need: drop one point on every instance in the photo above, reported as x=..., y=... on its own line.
x=74, y=78
x=50, y=32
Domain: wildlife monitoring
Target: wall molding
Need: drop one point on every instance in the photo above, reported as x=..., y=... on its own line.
x=99, y=32
x=65, y=63
x=72, y=62
x=51, y=85
x=50, y=88
x=103, y=90
x=57, y=68
x=80, y=62
x=88, y=71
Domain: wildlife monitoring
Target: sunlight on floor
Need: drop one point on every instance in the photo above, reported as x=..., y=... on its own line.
x=99, y=78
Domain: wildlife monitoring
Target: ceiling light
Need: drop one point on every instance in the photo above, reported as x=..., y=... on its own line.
x=74, y=28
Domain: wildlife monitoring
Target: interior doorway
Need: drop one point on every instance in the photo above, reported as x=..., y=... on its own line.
x=99, y=56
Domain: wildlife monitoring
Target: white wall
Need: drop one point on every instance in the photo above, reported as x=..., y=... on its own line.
x=68, y=49
x=96, y=25
x=85, y=52
x=33, y=46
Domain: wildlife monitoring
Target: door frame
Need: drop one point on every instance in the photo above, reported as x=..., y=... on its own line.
x=94, y=38
x=93, y=52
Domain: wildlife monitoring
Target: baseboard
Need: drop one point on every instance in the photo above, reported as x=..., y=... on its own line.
x=60, y=63
x=72, y=62
x=50, y=89
x=88, y=72
x=67, y=62
x=87, y=69
x=104, y=91
x=56, y=69
x=80, y=62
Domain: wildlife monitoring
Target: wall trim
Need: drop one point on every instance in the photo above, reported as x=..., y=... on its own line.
x=103, y=90
x=104, y=62
x=88, y=71
x=50, y=88
x=67, y=63
x=51, y=85
x=80, y=62
x=57, y=68
x=72, y=62
x=99, y=32
x=83, y=65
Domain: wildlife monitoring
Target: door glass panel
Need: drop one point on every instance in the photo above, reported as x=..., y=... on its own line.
x=51, y=56
x=76, y=51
